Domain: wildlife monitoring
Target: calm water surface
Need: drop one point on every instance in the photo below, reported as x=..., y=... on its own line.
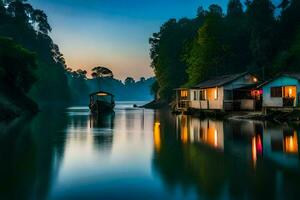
x=146, y=154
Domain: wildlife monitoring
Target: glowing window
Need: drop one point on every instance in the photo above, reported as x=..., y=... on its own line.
x=183, y=93
x=216, y=93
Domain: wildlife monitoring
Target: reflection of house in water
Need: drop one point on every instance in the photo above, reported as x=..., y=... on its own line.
x=246, y=139
x=156, y=136
x=194, y=130
x=281, y=145
x=184, y=164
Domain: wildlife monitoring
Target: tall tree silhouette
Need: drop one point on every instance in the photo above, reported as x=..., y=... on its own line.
x=102, y=72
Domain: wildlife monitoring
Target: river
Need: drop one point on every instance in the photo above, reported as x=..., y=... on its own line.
x=144, y=154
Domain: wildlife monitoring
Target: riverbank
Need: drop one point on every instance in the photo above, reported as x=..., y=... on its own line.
x=14, y=104
x=156, y=104
x=276, y=116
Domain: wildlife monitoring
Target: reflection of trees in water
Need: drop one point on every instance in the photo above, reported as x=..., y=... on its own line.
x=181, y=162
x=30, y=156
x=102, y=126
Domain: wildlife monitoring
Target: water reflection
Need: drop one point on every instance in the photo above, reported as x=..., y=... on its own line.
x=30, y=156
x=228, y=159
x=207, y=131
x=102, y=127
x=258, y=135
x=145, y=154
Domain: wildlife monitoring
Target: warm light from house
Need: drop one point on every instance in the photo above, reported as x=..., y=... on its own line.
x=216, y=93
x=254, y=151
x=290, y=92
x=291, y=143
x=184, y=129
x=156, y=135
x=216, y=138
x=255, y=79
x=183, y=93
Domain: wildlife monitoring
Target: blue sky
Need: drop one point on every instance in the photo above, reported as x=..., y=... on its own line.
x=112, y=33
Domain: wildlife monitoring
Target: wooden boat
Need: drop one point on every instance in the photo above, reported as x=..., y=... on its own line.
x=101, y=102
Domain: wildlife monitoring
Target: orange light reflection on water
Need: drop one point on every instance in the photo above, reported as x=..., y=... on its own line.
x=156, y=135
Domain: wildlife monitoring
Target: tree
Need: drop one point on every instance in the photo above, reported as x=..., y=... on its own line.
x=102, y=72
x=234, y=9
x=29, y=27
x=41, y=19
x=167, y=49
x=237, y=38
x=129, y=81
x=262, y=23
x=284, y=4
x=208, y=51
x=17, y=66
x=79, y=74
x=78, y=85
x=142, y=79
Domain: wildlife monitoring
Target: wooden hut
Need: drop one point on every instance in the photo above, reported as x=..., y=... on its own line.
x=227, y=92
x=282, y=92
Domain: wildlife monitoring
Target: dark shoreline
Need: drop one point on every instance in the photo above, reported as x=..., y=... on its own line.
x=275, y=116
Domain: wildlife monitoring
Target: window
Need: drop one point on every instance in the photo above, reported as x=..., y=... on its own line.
x=196, y=95
x=183, y=93
x=202, y=95
x=276, y=92
x=216, y=93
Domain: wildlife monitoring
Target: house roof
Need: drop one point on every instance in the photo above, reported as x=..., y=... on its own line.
x=220, y=80
x=291, y=75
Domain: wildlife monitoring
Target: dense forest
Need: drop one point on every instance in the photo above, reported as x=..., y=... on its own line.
x=33, y=72
x=254, y=35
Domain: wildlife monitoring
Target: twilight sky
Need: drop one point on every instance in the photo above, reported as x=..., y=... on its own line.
x=112, y=33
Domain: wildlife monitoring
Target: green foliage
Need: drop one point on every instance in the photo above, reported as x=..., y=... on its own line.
x=129, y=81
x=244, y=39
x=78, y=83
x=101, y=72
x=289, y=60
x=167, y=49
x=209, y=49
x=16, y=66
x=29, y=27
x=261, y=20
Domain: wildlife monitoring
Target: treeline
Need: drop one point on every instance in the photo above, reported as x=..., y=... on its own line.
x=254, y=36
x=103, y=79
x=33, y=72
x=29, y=28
